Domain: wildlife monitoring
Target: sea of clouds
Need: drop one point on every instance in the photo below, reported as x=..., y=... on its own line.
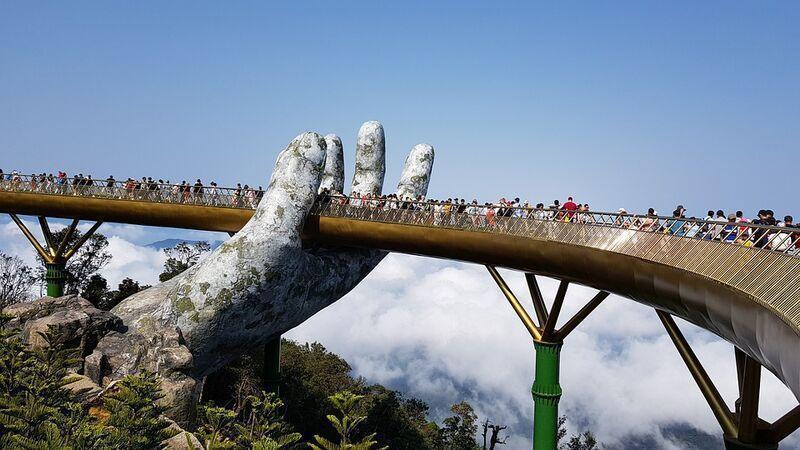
x=442, y=332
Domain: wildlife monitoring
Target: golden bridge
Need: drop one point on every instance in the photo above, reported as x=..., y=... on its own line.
x=739, y=281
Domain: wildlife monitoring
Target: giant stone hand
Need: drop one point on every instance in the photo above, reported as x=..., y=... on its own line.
x=262, y=282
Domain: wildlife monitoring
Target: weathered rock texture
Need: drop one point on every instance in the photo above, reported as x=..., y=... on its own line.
x=417, y=172
x=83, y=387
x=370, y=159
x=179, y=440
x=333, y=176
x=75, y=321
x=257, y=285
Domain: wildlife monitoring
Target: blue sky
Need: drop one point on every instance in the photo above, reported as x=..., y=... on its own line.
x=632, y=104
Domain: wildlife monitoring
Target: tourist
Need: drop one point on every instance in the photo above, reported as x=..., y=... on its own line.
x=570, y=207
x=197, y=191
x=678, y=226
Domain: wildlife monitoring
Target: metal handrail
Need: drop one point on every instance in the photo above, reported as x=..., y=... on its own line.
x=473, y=217
x=206, y=195
x=462, y=215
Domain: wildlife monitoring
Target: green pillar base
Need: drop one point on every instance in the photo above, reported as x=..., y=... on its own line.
x=546, y=392
x=56, y=278
x=272, y=365
x=735, y=444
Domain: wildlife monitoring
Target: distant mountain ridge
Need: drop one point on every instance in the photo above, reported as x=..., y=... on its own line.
x=169, y=243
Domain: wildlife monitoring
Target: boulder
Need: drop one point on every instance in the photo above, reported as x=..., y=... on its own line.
x=76, y=322
x=181, y=438
x=83, y=387
x=119, y=354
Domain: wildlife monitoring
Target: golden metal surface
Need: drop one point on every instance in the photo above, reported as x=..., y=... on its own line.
x=536, y=296
x=62, y=247
x=750, y=388
x=516, y=305
x=710, y=392
x=48, y=235
x=548, y=330
x=584, y=312
x=32, y=239
x=82, y=240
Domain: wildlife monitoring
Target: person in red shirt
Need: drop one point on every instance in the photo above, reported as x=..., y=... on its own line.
x=570, y=207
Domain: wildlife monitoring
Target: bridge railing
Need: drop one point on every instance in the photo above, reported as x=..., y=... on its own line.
x=496, y=219
x=222, y=197
x=598, y=229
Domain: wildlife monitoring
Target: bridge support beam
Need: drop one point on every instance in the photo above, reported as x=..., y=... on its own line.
x=742, y=429
x=272, y=365
x=547, y=342
x=55, y=254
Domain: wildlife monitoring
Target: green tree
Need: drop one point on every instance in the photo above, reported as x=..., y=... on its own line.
x=345, y=424
x=181, y=257
x=95, y=290
x=260, y=425
x=584, y=441
x=34, y=407
x=458, y=431
x=309, y=375
x=264, y=425
x=16, y=280
x=400, y=424
x=136, y=420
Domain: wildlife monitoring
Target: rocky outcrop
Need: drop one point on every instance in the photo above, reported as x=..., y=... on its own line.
x=74, y=320
x=181, y=439
x=84, y=388
x=109, y=354
x=166, y=354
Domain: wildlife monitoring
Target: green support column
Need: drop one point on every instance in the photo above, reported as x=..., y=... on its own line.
x=546, y=393
x=56, y=278
x=272, y=365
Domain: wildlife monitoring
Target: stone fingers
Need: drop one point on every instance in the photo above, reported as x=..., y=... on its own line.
x=370, y=159
x=292, y=189
x=416, y=173
x=333, y=177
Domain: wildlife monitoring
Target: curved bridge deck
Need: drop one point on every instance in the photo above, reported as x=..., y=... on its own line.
x=747, y=294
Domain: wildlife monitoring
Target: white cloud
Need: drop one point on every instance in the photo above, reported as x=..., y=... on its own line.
x=443, y=331
x=142, y=264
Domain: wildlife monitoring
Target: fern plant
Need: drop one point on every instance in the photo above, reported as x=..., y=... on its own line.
x=136, y=419
x=345, y=424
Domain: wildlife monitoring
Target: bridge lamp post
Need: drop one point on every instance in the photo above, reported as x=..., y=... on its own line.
x=547, y=342
x=55, y=255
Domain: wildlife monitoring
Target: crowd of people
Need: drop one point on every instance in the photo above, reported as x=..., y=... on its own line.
x=764, y=231
x=145, y=188
x=760, y=232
